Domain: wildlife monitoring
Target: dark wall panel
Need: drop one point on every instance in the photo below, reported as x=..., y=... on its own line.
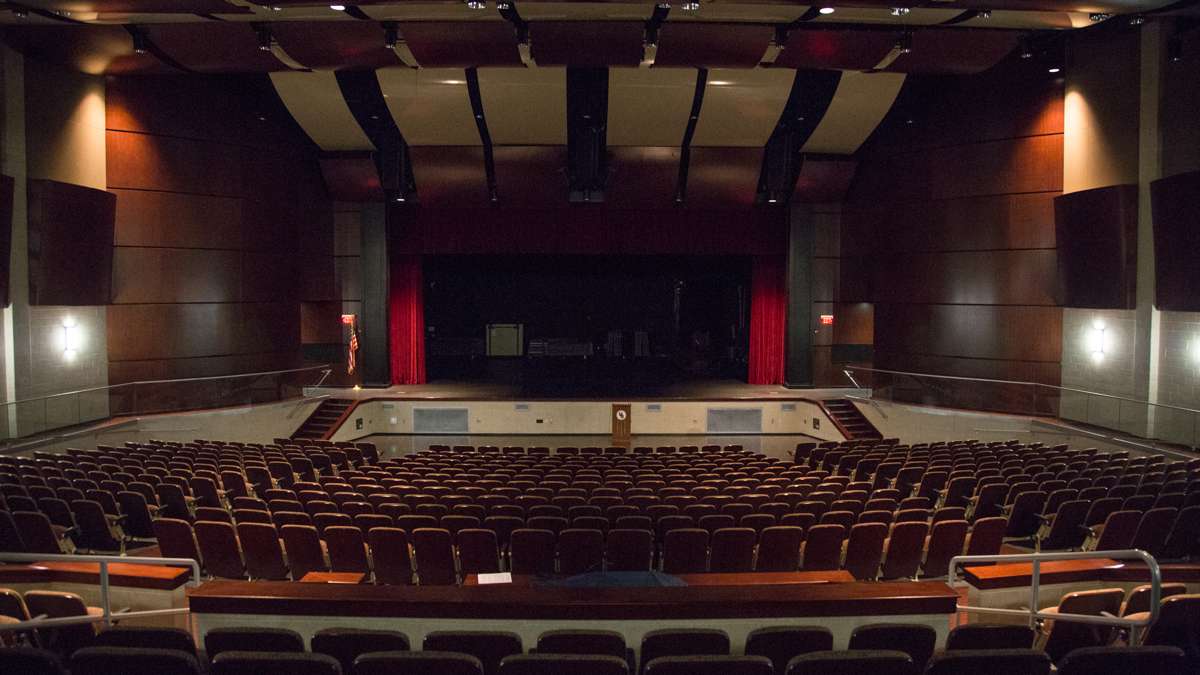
x=950, y=232
x=6, y=211
x=222, y=225
x=1176, y=240
x=70, y=243
x=1097, y=249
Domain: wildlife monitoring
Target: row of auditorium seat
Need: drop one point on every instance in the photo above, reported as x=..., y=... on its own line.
x=878, y=649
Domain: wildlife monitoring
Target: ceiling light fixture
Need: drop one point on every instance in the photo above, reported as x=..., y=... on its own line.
x=984, y=14
x=1175, y=49
x=1097, y=17
x=476, y=4
x=904, y=43
x=265, y=39
x=827, y=10
x=690, y=5
x=1137, y=19
x=20, y=13
x=391, y=36
x=276, y=8
x=900, y=11
x=139, y=40
x=338, y=8
x=1026, y=47
x=1054, y=70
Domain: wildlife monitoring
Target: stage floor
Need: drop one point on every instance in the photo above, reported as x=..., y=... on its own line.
x=697, y=390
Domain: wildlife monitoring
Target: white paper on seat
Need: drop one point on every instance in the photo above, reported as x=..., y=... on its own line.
x=495, y=578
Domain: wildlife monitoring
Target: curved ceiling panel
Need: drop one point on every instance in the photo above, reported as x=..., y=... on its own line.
x=351, y=177
x=742, y=107
x=586, y=43
x=213, y=47
x=141, y=6
x=450, y=176
x=641, y=177
x=859, y=104
x=525, y=106
x=315, y=101
x=649, y=106
x=708, y=45
x=95, y=50
x=446, y=44
x=848, y=49
x=335, y=44
x=430, y=105
x=824, y=180
x=955, y=51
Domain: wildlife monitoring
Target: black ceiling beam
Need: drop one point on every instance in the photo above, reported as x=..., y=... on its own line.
x=685, y=147
x=365, y=99
x=142, y=40
x=485, y=136
x=587, y=133
x=812, y=92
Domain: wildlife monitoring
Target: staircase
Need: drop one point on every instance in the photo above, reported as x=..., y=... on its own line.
x=847, y=418
x=327, y=417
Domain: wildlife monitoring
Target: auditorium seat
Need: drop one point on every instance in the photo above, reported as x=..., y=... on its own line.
x=709, y=665
x=176, y=639
x=986, y=536
x=1117, y=532
x=781, y=644
x=30, y=661
x=478, y=551
x=1065, y=529
x=823, y=548
x=854, y=662
x=595, y=642
x=433, y=554
x=11, y=540
x=904, y=550
x=347, y=550
x=998, y=661
x=864, y=550
x=138, y=519
x=946, y=540
x=1059, y=637
x=685, y=551
x=490, y=647
x=219, y=640
x=1178, y=625
x=580, y=551
x=95, y=532
x=779, y=549
x=916, y=640
x=302, y=545
x=977, y=636
x=1123, y=661
x=56, y=605
x=260, y=662
x=263, y=552
x=133, y=661
x=557, y=664
x=732, y=550
x=628, y=550
x=693, y=642
x=532, y=551
x=1138, y=598
x=219, y=549
x=1152, y=530
x=347, y=644
x=39, y=536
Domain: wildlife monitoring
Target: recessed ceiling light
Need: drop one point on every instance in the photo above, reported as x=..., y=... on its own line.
x=452, y=81
x=1055, y=69
x=338, y=8
x=900, y=11
x=827, y=10
x=720, y=83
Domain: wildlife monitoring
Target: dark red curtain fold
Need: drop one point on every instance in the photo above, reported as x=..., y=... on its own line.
x=406, y=320
x=768, y=320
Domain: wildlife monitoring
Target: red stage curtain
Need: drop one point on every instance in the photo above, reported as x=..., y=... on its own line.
x=406, y=320
x=768, y=320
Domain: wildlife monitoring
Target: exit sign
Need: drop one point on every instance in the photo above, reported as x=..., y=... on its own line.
x=826, y=319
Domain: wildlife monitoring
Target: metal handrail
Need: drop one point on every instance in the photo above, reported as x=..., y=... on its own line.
x=105, y=602
x=326, y=369
x=846, y=372
x=1035, y=585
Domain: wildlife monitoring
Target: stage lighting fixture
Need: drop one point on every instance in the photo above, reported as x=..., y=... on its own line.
x=20, y=13
x=827, y=10
x=1175, y=49
x=900, y=11
x=139, y=42
x=1097, y=17
x=476, y=4
x=690, y=5
x=338, y=8
x=984, y=14
x=1054, y=70
x=391, y=37
x=904, y=43
x=1137, y=19
x=265, y=39
x=1026, y=47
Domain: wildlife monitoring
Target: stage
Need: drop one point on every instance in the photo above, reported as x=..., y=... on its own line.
x=708, y=408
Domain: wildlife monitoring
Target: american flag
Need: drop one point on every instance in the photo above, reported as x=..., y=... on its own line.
x=351, y=362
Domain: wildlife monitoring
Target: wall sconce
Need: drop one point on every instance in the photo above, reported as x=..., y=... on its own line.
x=1195, y=350
x=72, y=338
x=1099, y=342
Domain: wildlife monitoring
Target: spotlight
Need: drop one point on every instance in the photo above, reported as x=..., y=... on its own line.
x=1054, y=70
x=690, y=5
x=904, y=43
x=20, y=13
x=338, y=8
x=476, y=4
x=984, y=14
x=827, y=10
x=276, y=8
x=1137, y=19
x=1175, y=49
x=1097, y=17
x=265, y=39
x=391, y=36
x=900, y=11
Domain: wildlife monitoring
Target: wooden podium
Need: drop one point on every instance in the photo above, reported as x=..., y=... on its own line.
x=622, y=424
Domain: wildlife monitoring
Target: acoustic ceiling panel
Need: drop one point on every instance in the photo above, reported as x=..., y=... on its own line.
x=955, y=51
x=709, y=45
x=431, y=106
x=742, y=107
x=824, y=180
x=859, y=104
x=315, y=101
x=531, y=176
x=850, y=49
x=450, y=176
x=723, y=177
x=587, y=43
x=649, y=106
x=459, y=44
x=642, y=177
x=525, y=106
x=94, y=50
x=213, y=47
x=335, y=44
